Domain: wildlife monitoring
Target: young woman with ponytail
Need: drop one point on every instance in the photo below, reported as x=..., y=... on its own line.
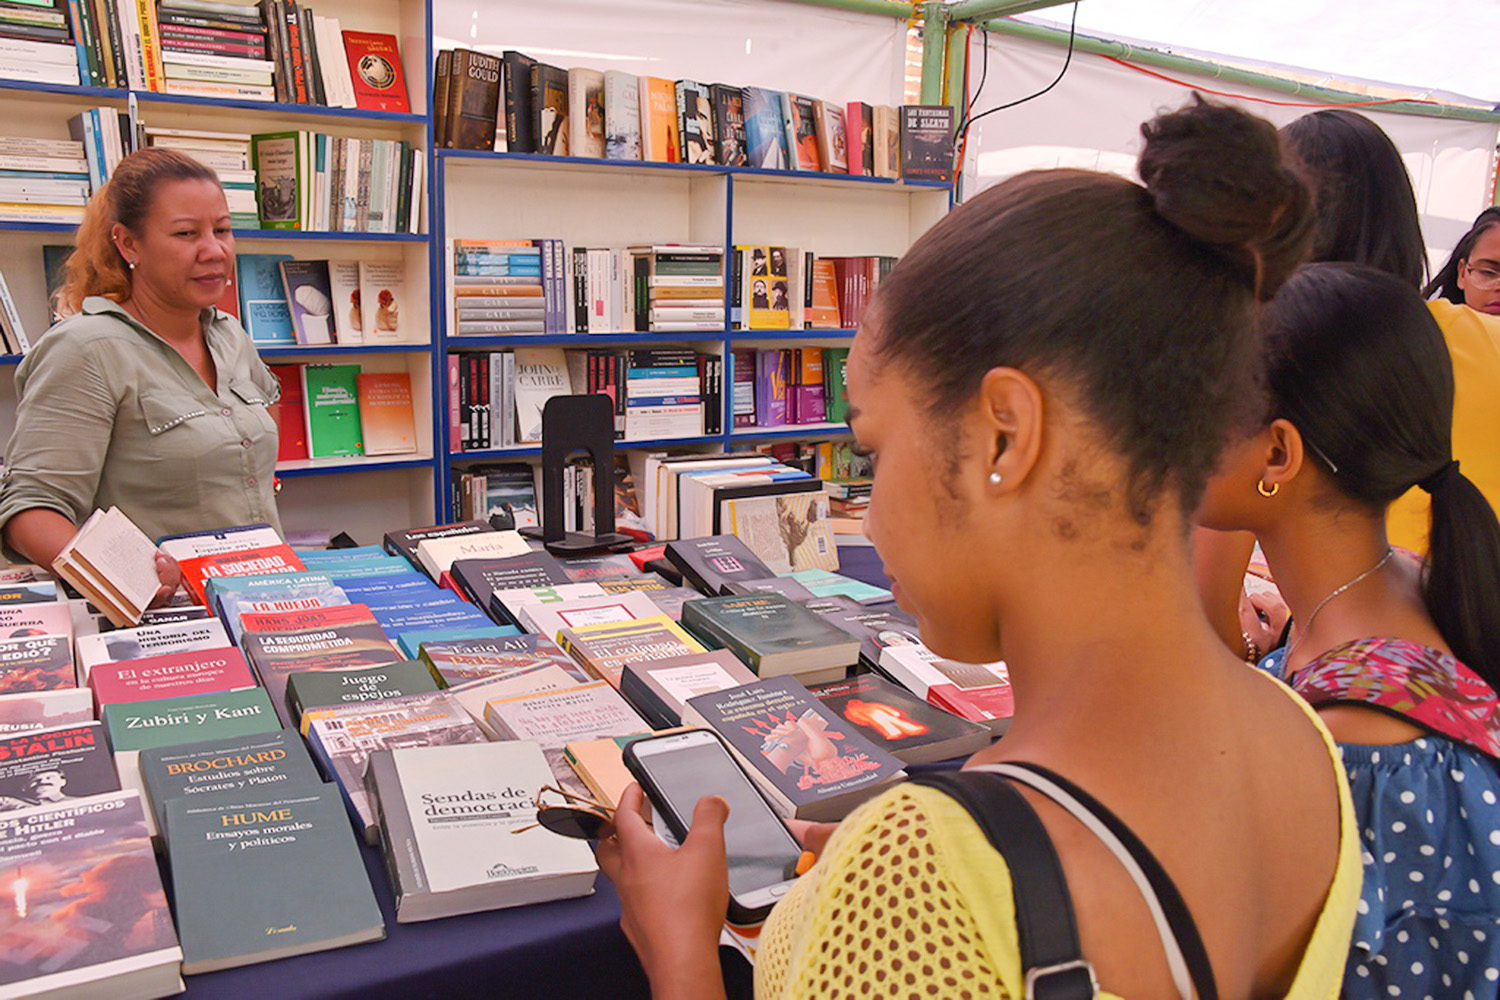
x=1401, y=658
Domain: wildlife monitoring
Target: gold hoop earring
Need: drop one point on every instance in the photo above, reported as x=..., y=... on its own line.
x=1260, y=488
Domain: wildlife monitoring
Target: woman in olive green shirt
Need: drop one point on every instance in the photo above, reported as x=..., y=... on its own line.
x=145, y=396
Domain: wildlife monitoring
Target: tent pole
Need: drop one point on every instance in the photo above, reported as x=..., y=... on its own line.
x=886, y=8
x=934, y=42
x=1232, y=75
x=975, y=10
x=958, y=61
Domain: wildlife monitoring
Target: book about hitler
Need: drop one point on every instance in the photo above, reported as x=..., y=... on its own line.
x=773, y=635
x=809, y=763
x=55, y=765
x=290, y=868
x=448, y=818
x=86, y=914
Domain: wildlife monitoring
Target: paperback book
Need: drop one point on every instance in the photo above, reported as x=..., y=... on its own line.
x=773, y=635
x=554, y=719
x=605, y=649
x=274, y=763
x=464, y=660
x=979, y=692
x=278, y=655
x=55, y=765
x=898, y=722
x=660, y=689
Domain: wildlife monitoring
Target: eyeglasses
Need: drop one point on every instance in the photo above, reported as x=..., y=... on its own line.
x=577, y=816
x=1485, y=278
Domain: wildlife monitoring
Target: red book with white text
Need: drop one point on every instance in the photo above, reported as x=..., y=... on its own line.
x=175, y=675
x=247, y=562
x=295, y=621
x=375, y=66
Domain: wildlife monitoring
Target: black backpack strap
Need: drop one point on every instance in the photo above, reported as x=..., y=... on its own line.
x=1050, y=954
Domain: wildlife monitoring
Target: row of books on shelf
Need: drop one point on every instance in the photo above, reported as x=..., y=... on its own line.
x=495, y=399
x=293, y=704
x=273, y=50
x=780, y=387
x=283, y=301
x=315, y=181
x=515, y=103
x=783, y=288
x=338, y=411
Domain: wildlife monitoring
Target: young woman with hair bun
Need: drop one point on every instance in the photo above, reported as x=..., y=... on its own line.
x=1037, y=459
x=144, y=396
x=1400, y=658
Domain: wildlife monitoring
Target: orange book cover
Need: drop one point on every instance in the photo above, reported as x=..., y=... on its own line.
x=385, y=413
x=824, y=314
x=810, y=365
x=659, y=125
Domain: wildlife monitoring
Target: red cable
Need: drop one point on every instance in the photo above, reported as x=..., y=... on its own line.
x=1266, y=100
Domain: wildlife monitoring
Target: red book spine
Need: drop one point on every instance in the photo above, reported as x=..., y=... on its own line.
x=296, y=52
x=291, y=422
x=854, y=138
x=455, y=417
x=214, y=34
x=204, y=47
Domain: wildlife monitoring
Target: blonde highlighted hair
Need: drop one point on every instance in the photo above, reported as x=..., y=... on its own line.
x=96, y=266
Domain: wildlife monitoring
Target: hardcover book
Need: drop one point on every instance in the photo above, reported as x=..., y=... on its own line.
x=449, y=818
x=772, y=635
x=355, y=686
x=263, y=308
x=375, y=66
x=554, y=719
x=342, y=738
x=979, y=692
x=274, y=763
x=927, y=142
x=290, y=866
x=811, y=765
x=898, y=722
x=605, y=649
x=461, y=661
x=710, y=564
x=86, y=914
x=586, y=113
x=278, y=655
x=659, y=689
x=307, y=289
x=174, y=675
x=331, y=397
x=55, y=765
x=622, y=116
x=386, y=416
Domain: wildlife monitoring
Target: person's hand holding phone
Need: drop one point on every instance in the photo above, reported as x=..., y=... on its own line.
x=672, y=900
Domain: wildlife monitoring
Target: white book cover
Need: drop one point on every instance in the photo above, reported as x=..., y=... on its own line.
x=622, y=116
x=541, y=373
x=147, y=640
x=213, y=543
x=516, y=600
x=382, y=294
x=550, y=619
x=475, y=695
x=437, y=554
x=451, y=830
x=586, y=113
x=348, y=316
x=556, y=718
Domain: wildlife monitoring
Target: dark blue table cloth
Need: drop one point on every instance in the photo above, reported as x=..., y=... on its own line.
x=550, y=951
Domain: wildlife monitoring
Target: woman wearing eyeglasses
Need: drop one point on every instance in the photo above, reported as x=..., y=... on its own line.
x=1471, y=274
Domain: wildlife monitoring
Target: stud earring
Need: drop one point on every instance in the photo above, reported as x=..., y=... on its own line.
x=131, y=264
x=995, y=479
x=1260, y=488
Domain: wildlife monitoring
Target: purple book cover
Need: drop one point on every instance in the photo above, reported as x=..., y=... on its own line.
x=772, y=370
x=744, y=399
x=808, y=404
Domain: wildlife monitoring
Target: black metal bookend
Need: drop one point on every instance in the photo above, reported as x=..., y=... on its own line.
x=572, y=424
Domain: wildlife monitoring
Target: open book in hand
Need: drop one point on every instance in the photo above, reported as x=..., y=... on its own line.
x=113, y=564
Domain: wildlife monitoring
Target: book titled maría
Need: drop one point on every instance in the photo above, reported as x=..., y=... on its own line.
x=290, y=866
x=435, y=556
x=85, y=910
x=342, y=739
x=55, y=765
x=809, y=763
x=274, y=763
x=447, y=820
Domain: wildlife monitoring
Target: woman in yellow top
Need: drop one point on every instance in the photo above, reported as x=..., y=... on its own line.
x=145, y=396
x=1045, y=383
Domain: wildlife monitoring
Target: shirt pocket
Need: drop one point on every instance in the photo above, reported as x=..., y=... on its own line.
x=257, y=400
x=176, y=425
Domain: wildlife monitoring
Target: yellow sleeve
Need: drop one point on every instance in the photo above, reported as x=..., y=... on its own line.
x=909, y=901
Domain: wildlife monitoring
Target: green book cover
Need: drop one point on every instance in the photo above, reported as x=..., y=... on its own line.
x=260, y=764
x=162, y=722
x=411, y=642
x=834, y=392
x=264, y=877
x=280, y=185
x=323, y=688
x=330, y=395
x=771, y=633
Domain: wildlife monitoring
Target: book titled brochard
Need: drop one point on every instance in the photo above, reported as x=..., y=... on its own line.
x=288, y=864
x=447, y=816
x=256, y=765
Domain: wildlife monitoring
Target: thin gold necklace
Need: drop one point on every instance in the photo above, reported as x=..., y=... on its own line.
x=1292, y=647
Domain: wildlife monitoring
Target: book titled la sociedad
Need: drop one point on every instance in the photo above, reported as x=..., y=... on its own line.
x=979, y=692
x=773, y=635
x=86, y=914
x=447, y=816
x=277, y=558
x=274, y=763
x=55, y=764
x=342, y=739
x=175, y=675
x=811, y=765
x=288, y=865
x=278, y=655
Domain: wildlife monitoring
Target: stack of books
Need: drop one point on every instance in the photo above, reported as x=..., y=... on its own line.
x=225, y=59
x=678, y=287
x=43, y=180
x=36, y=43
x=663, y=394
x=499, y=287
x=228, y=153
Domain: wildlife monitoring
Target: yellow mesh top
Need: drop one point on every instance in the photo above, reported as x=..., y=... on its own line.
x=910, y=902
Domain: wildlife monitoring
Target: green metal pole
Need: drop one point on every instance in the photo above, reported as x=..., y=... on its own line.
x=886, y=8
x=958, y=59
x=1230, y=74
x=934, y=42
x=975, y=10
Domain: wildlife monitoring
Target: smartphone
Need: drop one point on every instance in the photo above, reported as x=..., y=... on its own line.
x=678, y=769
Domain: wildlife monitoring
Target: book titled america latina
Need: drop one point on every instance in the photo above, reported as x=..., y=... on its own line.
x=85, y=912
x=448, y=817
x=55, y=764
x=811, y=764
x=263, y=877
x=274, y=763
